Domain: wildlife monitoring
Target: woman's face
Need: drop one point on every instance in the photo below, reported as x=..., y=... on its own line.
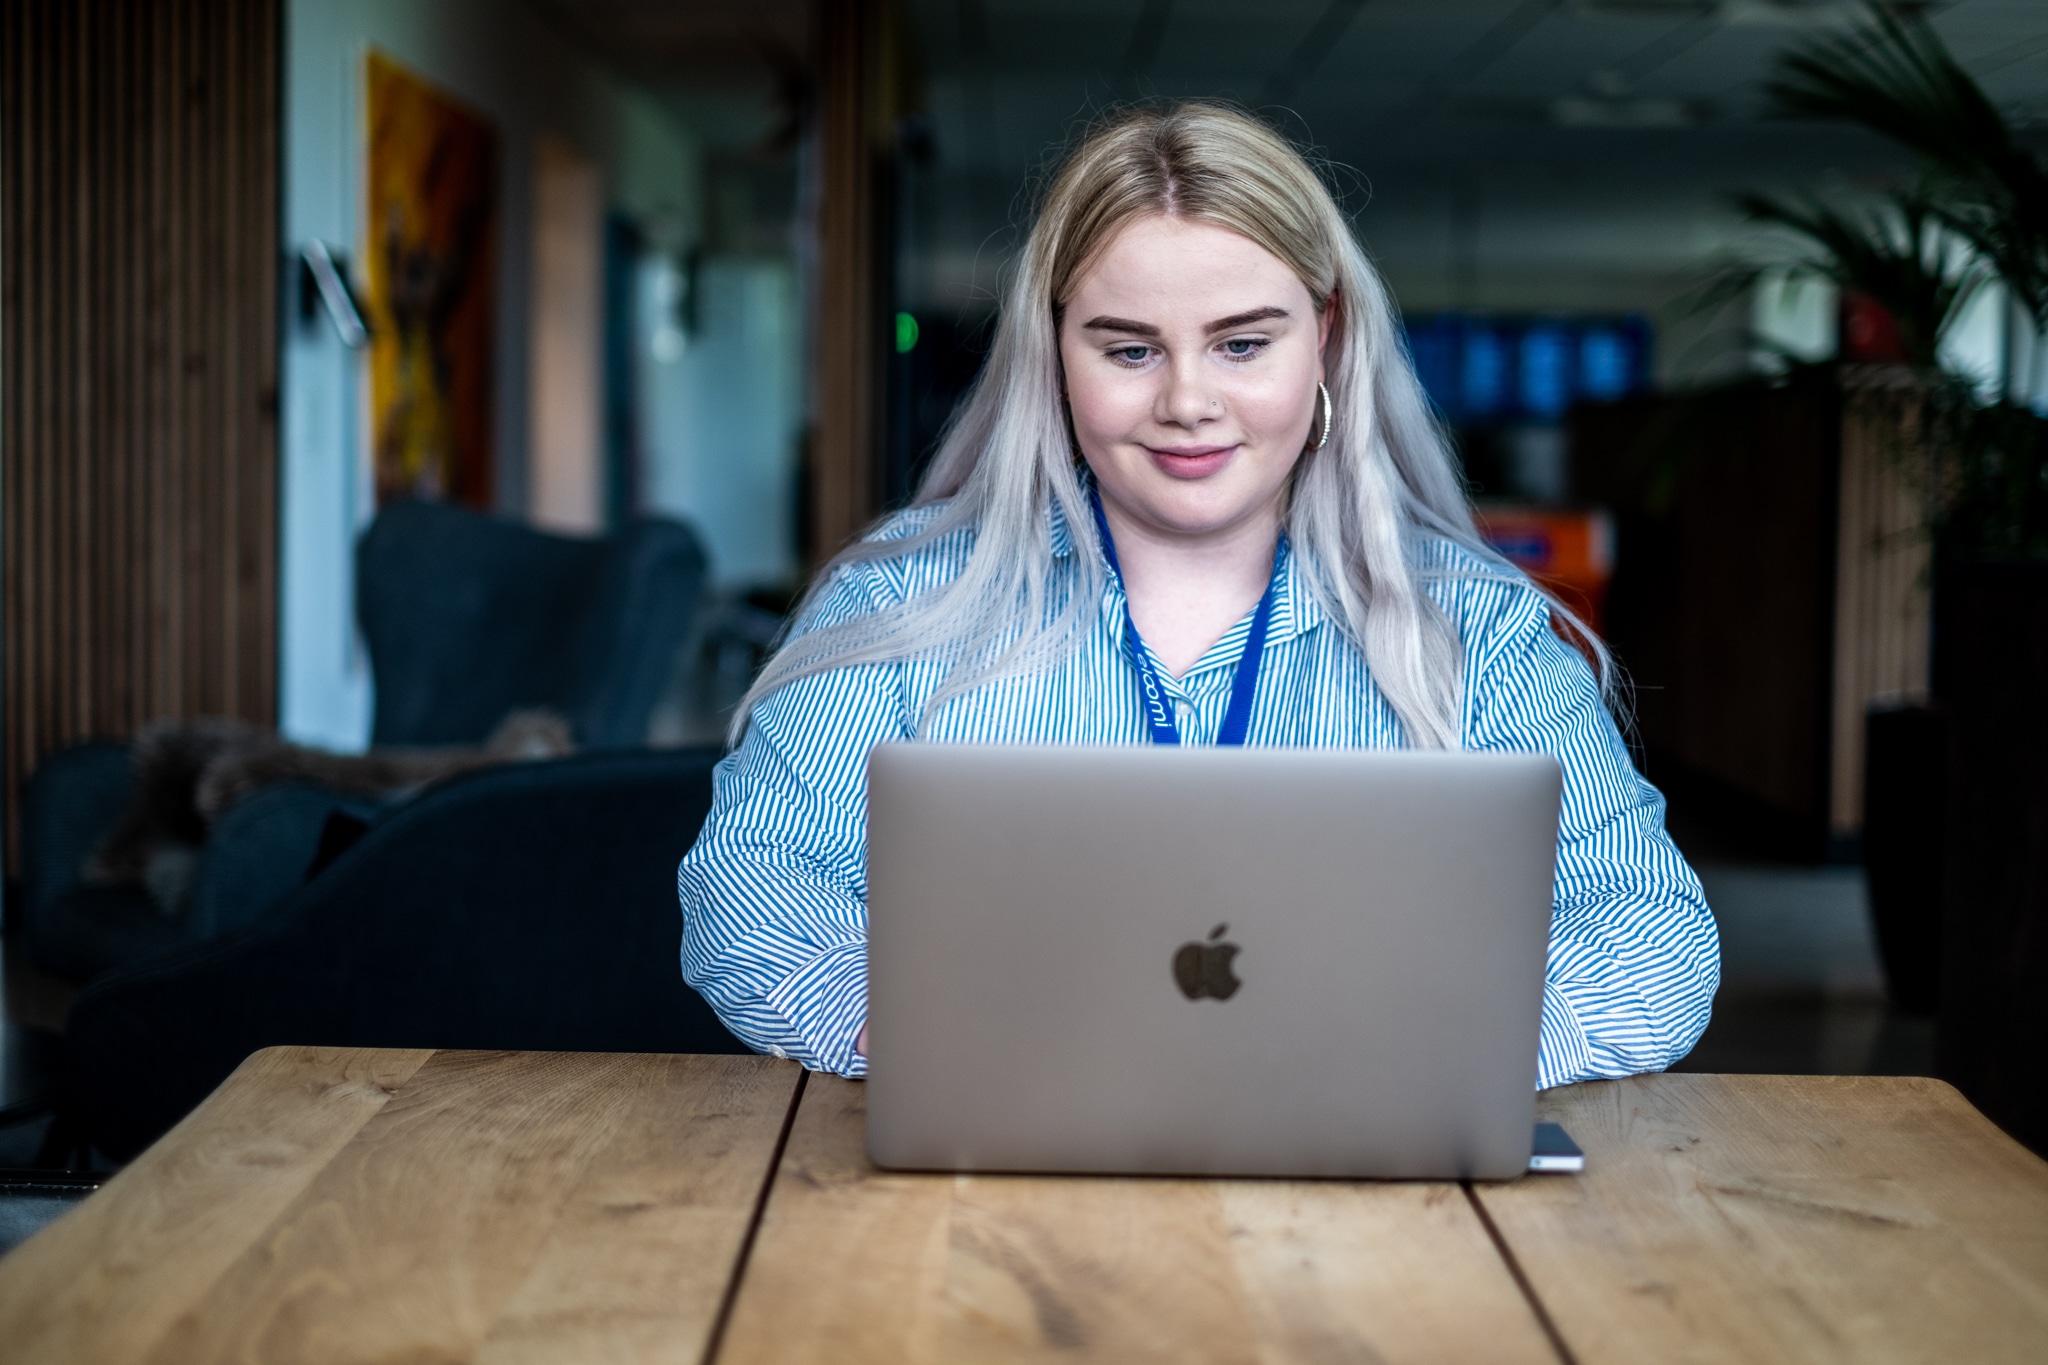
x=1192, y=356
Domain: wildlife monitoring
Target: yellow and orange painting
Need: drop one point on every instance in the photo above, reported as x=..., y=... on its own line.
x=432, y=258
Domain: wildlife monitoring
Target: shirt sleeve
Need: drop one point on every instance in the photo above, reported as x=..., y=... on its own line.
x=774, y=892
x=1634, y=954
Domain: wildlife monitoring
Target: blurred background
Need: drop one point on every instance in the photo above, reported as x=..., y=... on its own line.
x=403, y=397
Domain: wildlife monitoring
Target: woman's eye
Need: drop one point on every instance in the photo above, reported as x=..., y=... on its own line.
x=1131, y=355
x=1240, y=348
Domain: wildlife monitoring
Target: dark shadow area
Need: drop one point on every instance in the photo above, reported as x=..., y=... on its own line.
x=1804, y=989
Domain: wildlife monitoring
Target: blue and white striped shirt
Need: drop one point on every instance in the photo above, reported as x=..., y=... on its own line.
x=774, y=891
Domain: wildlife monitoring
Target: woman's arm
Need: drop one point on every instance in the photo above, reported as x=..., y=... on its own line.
x=1634, y=956
x=774, y=892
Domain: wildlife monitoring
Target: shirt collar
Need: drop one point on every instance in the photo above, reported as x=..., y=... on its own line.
x=1294, y=609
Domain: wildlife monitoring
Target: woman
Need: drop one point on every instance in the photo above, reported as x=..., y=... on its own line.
x=1197, y=496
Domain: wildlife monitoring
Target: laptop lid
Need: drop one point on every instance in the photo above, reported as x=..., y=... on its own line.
x=1247, y=961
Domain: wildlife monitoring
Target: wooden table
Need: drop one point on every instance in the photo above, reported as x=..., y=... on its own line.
x=333, y=1205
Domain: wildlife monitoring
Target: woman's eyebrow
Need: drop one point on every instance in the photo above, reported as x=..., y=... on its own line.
x=1142, y=329
x=1246, y=319
x=1146, y=329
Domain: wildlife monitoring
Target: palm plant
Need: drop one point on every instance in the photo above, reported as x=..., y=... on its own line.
x=1895, y=76
x=1898, y=250
x=1987, y=465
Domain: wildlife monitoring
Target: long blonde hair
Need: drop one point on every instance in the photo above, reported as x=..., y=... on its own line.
x=1360, y=508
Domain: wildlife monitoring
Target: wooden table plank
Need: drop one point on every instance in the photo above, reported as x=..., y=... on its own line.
x=1748, y=1218
x=105, y=1282
x=851, y=1264
x=637, y=1266
x=459, y=1220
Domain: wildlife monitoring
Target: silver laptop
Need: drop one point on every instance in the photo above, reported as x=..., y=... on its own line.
x=1242, y=961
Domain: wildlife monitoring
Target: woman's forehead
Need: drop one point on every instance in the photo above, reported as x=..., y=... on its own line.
x=1177, y=265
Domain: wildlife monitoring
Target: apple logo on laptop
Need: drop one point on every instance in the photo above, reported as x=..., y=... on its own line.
x=1204, y=968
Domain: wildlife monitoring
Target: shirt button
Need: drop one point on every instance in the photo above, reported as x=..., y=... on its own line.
x=778, y=1052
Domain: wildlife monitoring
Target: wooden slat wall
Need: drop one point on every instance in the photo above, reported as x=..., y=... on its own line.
x=138, y=403
x=1723, y=602
x=845, y=472
x=1884, y=618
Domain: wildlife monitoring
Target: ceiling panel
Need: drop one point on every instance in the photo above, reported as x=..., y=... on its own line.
x=1441, y=114
x=1434, y=109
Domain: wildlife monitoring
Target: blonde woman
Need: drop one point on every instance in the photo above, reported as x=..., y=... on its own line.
x=1197, y=496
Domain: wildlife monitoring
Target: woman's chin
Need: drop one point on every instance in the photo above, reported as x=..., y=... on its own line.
x=1184, y=511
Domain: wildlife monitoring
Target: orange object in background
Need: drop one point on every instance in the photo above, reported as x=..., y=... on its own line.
x=1569, y=552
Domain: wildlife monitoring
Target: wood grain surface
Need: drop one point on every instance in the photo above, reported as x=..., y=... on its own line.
x=340, y=1205
x=1779, y=1218
x=105, y=1282
x=431, y=1206
x=851, y=1264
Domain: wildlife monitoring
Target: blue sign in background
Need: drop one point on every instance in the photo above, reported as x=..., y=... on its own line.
x=1480, y=370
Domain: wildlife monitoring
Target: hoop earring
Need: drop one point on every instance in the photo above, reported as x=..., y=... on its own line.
x=1323, y=438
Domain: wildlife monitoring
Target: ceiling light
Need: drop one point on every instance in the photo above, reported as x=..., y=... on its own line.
x=1586, y=111
x=1609, y=84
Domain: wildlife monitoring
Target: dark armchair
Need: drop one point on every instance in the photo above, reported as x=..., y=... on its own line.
x=531, y=906
x=467, y=617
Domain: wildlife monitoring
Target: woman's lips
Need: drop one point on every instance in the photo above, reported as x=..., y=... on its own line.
x=1190, y=462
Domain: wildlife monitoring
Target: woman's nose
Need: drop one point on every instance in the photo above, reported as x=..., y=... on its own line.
x=1187, y=399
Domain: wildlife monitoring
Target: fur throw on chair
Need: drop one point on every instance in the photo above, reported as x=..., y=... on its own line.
x=188, y=772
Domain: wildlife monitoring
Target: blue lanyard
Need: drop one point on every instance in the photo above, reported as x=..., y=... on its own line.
x=1237, y=717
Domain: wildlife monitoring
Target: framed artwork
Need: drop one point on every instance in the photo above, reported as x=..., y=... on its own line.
x=431, y=269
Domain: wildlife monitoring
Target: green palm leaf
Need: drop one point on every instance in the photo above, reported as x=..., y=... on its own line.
x=1895, y=76
x=1899, y=251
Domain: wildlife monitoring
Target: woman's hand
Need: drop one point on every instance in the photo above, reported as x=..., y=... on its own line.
x=860, y=1044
